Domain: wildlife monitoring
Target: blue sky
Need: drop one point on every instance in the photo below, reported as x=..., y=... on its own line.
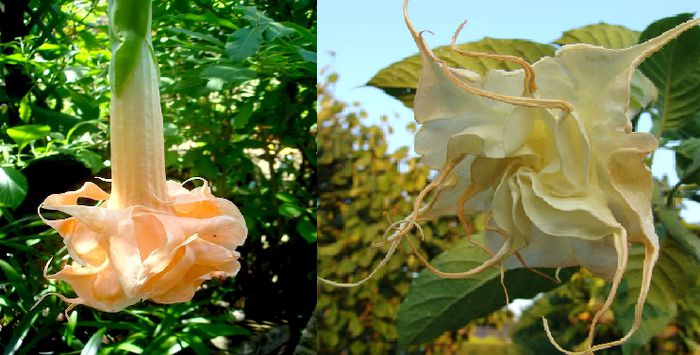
x=360, y=37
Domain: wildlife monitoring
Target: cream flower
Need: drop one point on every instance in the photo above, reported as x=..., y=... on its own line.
x=150, y=238
x=548, y=153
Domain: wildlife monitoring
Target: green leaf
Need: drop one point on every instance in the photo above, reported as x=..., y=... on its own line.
x=91, y=160
x=273, y=29
x=289, y=210
x=688, y=161
x=196, y=343
x=89, y=107
x=435, y=305
x=205, y=166
x=13, y=187
x=214, y=330
x=19, y=333
x=307, y=230
x=94, y=344
x=674, y=276
x=198, y=35
x=170, y=129
x=69, y=330
x=243, y=114
x=227, y=73
x=285, y=197
x=602, y=34
x=15, y=276
x=89, y=39
x=129, y=347
x=25, y=109
x=308, y=56
x=50, y=47
x=675, y=229
x=23, y=135
x=400, y=79
x=58, y=121
x=164, y=344
x=9, y=271
x=243, y=43
x=675, y=70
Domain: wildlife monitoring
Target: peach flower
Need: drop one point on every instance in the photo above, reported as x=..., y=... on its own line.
x=150, y=238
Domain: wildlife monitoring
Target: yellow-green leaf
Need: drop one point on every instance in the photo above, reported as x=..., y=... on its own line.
x=400, y=79
x=602, y=34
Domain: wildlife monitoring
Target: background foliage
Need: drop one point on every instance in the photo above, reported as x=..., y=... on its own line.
x=237, y=86
x=437, y=316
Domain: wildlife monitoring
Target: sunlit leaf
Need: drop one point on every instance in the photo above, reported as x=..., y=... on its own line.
x=285, y=197
x=92, y=347
x=289, y=210
x=195, y=343
x=602, y=34
x=400, y=79
x=23, y=135
x=13, y=187
x=25, y=109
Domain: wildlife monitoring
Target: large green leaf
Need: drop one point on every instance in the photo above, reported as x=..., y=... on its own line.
x=674, y=276
x=675, y=70
x=435, y=305
x=13, y=187
x=688, y=161
x=400, y=79
x=685, y=239
x=243, y=43
x=602, y=34
x=23, y=135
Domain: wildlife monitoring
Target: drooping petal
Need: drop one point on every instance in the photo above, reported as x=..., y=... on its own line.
x=564, y=173
x=126, y=255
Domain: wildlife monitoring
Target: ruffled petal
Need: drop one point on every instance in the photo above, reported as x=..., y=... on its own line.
x=135, y=253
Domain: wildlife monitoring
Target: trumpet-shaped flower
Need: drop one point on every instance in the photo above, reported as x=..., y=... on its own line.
x=548, y=153
x=149, y=238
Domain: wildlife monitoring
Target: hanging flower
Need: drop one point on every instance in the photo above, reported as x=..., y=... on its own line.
x=149, y=238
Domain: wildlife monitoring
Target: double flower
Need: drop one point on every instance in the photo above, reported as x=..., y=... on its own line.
x=547, y=152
